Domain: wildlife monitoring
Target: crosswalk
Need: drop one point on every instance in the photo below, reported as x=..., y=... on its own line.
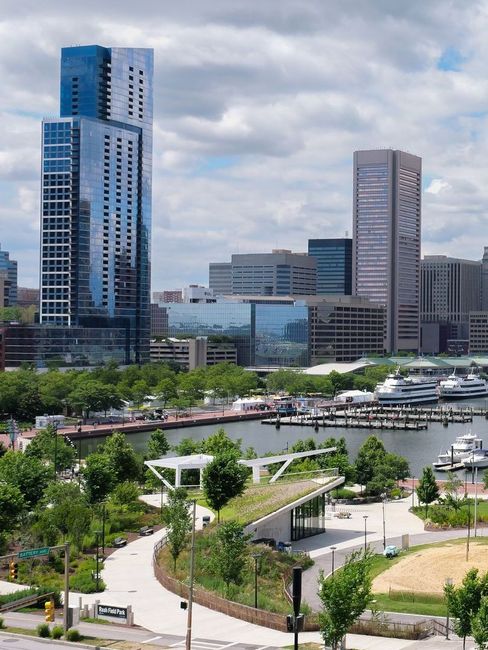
x=201, y=644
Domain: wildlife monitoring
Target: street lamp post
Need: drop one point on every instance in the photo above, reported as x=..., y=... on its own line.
x=365, y=517
x=333, y=549
x=97, y=575
x=256, y=557
x=383, y=499
x=103, y=528
x=476, y=502
x=413, y=491
x=448, y=583
x=55, y=430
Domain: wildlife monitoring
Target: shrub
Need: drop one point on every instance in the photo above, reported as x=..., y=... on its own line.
x=57, y=632
x=2, y=623
x=43, y=630
x=344, y=493
x=82, y=580
x=73, y=635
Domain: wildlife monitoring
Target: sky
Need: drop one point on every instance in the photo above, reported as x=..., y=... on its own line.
x=259, y=106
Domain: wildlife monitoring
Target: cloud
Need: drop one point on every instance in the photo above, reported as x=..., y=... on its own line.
x=258, y=109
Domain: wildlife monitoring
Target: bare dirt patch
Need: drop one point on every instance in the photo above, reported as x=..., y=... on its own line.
x=427, y=570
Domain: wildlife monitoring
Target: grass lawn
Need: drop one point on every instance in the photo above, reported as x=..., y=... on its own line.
x=412, y=603
x=260, y=500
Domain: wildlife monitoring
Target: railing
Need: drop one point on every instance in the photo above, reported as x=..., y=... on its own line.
x=24, y=602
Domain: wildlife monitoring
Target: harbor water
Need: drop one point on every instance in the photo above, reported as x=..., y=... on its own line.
x=421, y=448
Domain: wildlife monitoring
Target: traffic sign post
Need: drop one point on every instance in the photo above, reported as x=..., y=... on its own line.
x=33, y=552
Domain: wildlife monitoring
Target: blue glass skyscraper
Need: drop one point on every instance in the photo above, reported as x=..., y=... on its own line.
x=334, y=265
x=96, y=195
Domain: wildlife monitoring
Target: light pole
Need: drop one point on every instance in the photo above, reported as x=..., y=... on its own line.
x=469, y=530
x=383, y=499
x=256, y=557
x=413, y=491
x=103, y=528
x=476, y=502
x=365, y=517
x=97, y=575
x=55, y=431
x=333, y=549
x=448, y=584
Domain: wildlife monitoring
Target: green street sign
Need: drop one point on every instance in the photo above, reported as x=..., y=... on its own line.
x=33, y=552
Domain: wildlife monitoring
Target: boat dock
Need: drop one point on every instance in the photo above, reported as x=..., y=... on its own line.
x=346, y=422
x=379, y=417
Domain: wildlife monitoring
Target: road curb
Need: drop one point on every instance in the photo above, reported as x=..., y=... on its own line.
x=74, y=644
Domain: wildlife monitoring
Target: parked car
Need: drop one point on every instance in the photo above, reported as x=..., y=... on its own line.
x=391, y=551
x=120, y=542
x=146, y=530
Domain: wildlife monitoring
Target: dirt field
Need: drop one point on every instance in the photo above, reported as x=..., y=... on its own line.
x=427, y=570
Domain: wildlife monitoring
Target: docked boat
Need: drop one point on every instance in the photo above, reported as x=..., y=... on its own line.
x=397, y=389
x=478, y=459
x=457, y=387
x=462, y=448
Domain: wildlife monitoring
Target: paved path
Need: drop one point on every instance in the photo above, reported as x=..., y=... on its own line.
x=347, y=535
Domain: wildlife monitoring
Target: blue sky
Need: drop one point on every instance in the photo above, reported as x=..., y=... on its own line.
x=258, y=109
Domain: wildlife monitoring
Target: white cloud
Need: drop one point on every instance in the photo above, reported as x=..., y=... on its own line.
x=258, y=108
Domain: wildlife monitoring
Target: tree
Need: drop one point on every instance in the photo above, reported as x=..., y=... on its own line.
x=178, y=520
x=64, y=511
x=229, y=552
x=157, y=445
x=479, y=625
x=88, y=396
x=166, y=390
x=29, y=474
x=344, y=596
x=453, y=496
x=427, y=490
x=12, y=505
x=464, y=602
x=98, y=477
x=220, y=443
x=223, y=479
x=45, y=446
x=122, y=458
x=370, y=454
x=126, y=494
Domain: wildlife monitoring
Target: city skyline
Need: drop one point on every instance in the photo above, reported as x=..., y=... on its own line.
x=257, y=115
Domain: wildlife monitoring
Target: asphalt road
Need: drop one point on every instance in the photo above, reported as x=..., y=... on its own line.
x=119, y=632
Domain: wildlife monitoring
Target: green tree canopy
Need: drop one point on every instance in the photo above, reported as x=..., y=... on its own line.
x=220, y=443
x=47, y=444
x=427, y=490
x=230, y=552
x=464, y=602
x=344, y=596
x=157, y=445
x=177, y=518
x=98, y=477
x=122, y=458
x=223, y=479
x=12, y=505
x=28, y=474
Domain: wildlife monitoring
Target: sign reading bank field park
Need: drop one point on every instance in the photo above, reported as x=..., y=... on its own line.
x=109, y=610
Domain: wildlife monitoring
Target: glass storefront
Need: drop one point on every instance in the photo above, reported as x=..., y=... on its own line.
x=308, y=519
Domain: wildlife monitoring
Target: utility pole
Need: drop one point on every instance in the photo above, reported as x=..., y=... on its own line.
x=192, y=568
x=66, y=588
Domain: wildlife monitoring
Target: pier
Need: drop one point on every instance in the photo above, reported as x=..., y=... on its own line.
x=380, y=417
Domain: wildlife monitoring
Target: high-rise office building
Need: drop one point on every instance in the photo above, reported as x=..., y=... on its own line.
x=279, y=273
x=386, y=248
x=96, y=195
x=484, y=280
x=220, y=277
x=334, y=265
x=450, y=289
x=8, y=271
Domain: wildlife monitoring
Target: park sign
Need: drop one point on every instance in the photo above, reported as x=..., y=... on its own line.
x=110, y=610
x=33, y=552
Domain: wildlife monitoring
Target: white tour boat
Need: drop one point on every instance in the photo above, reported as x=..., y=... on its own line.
x=411, y=390
x=461, y=449
x=457, y=387
x=478, y=458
